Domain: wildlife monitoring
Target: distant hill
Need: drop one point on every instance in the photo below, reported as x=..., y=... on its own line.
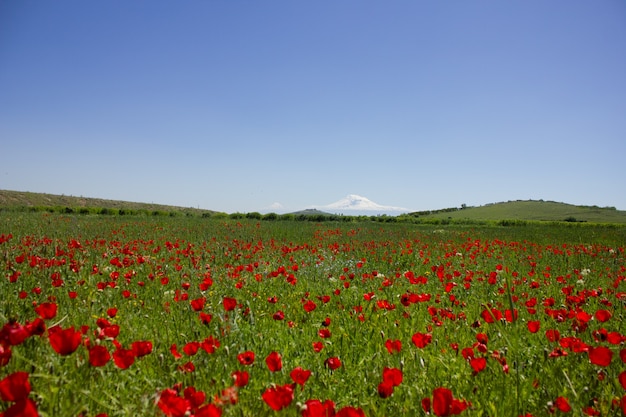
x=528, y=210
x=311, y=212
x=41, y=201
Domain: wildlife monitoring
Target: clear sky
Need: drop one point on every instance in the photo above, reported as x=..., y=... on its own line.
x=281, y=105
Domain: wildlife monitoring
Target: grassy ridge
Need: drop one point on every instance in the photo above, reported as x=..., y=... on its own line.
x=530, y=210
x=21, y=199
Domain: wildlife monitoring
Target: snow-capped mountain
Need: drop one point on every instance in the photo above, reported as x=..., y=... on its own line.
x=356, y=204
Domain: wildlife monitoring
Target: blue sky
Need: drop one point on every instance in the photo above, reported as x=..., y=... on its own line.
x=240, y=105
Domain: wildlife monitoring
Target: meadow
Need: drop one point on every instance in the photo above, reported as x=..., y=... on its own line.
x=180, y=316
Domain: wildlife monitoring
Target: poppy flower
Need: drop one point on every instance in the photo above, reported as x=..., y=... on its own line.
x=279, y=315
x=208, y=410
x=478, y=364
x=172, y=404
x=15, y=387
x=393, y=376
x=316, y=408
x=318, y=346
x=229, y=303
x=98, y=356
x=198, y=303
x=141, y=348
x=385, y=389
x=23, y=408
x=562, y=404
x=533, y=326
x=421, y=340
x=622, y=379
x=241, y=378
x=324, y=333
x=278, y=397
x=195, y=397
x=46, y=311
x=191, y=348
x=393, y=346
x=350, y=412
x=205, y=318
x=553, y=335
x=602, y=315
x=14, y=333
x=309, y=306
x=123, y=358
x=64, y=341
x=274, y=362
x=5, y=354
x=600, y=355
x=332, y=363
x=210, y=344
x=299, y=375
x=246, y=358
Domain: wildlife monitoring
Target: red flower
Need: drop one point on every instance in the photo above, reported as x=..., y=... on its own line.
x=46, y=311
x=421, y=340
x=332, y=363
x=172, y=404
x=299, y=375
x=99, y=356
x=229, y=303
x=209, y=410
x=385, y=389
x=562, y=404
x=324, y=333
x=393, y=346
x=600, y=355
x=205, y=318
x=393, y=376
x=274, y=362
x=318, y=346
x=315, y=408
x=198, y=303
x=15, y=387
x=64, y=342
x=23, y=408
x=350, y=412
x=622, y=379
x=603, y=315
x=246, y=358
x=241, y=378
x=279, y=315
x=123, y=358
x=478, y=364
x=309, y=306
x=442, y=401
x=278, y=397
x=553, y=335
x=141, y=348
x=533, y=326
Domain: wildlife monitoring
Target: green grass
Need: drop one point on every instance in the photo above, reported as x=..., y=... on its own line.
x=251, y=261
x=532, y=210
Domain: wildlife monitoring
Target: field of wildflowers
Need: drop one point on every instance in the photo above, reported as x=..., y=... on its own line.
x=119, y=316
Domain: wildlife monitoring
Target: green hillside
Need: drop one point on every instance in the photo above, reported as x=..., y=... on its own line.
x=19, y=200
x=538, y=210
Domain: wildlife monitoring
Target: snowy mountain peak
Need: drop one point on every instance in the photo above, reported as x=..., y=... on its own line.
x=353, y=202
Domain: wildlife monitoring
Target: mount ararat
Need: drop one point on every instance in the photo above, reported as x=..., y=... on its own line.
x=356, y=204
